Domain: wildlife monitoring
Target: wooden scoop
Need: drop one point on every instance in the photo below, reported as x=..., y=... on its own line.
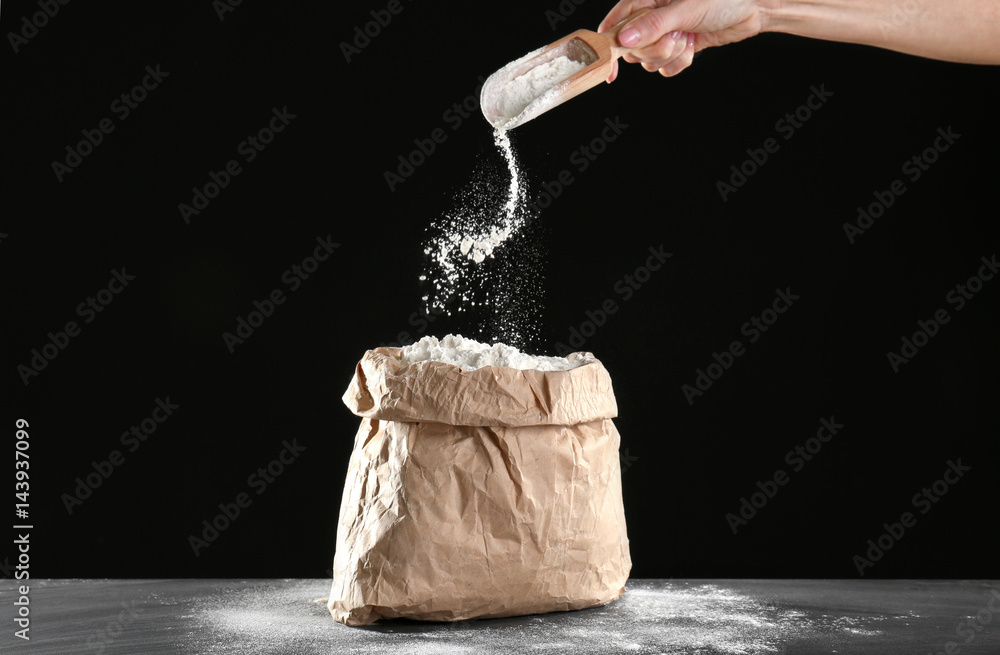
x=597, y=50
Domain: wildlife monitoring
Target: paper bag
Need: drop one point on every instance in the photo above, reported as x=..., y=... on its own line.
x=485, y=493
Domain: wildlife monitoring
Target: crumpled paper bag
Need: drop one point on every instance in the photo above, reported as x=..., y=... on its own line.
x=485, y=493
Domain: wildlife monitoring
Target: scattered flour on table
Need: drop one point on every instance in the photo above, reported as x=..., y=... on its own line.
x=653, y=617
x=541, y=80
x=470, y=355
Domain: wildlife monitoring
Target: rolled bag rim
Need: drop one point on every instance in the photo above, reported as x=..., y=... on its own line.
x=383, y=389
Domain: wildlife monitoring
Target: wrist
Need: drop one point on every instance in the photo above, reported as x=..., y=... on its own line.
x=771, y=14
x=851, y=21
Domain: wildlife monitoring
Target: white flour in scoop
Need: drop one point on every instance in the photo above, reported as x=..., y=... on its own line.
x=523, y=90
x=470, y=355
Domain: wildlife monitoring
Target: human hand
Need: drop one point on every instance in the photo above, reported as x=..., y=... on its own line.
x=666, y=38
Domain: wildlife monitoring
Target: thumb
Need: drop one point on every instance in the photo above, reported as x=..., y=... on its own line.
x=650, y=26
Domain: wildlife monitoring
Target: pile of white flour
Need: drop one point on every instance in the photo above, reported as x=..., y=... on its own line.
x=538, y=82
x=470, y=355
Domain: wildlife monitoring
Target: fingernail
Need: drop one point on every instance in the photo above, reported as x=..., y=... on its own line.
x=629, y=37
x=676, y=34
x=690, y=39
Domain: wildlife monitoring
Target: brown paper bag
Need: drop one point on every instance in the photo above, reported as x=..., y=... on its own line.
x=485, y=493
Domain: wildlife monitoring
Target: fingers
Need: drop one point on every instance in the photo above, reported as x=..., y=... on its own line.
x=623, y=10
x=670, y=55
x=659, y=53
x=652, y=42
x=682, y=61
x=647, y=30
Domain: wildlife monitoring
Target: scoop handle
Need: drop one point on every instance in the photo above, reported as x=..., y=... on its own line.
x=611, y=34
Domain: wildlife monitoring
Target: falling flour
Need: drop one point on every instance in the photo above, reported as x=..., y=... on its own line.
x=472, y=237
x=479, y=246
x=470, y=355
x=463, y=271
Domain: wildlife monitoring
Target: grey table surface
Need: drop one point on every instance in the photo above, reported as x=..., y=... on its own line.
x=654, y=616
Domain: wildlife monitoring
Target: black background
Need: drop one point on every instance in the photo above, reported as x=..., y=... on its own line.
x=687, y=466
